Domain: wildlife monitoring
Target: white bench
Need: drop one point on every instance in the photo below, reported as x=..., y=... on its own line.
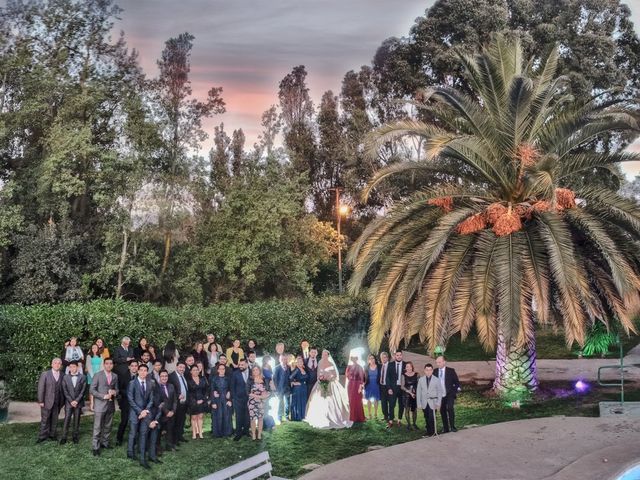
x=249, y=469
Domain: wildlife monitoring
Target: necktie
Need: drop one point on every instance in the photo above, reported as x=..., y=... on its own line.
x=144, y=390
x=398, y=371
x=166, y=394
x=384, y=374
x=428, y=380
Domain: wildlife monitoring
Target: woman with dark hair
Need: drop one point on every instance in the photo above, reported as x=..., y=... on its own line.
x=153, y=355
x=198, y=400
x=409, y=385
x=170, y=355
x=141, y=348
x=252, y=345
x=102, y=349
x=355, y=387
x=372, y=386
x=220, y=403
x=298, y=379
x=94, y=365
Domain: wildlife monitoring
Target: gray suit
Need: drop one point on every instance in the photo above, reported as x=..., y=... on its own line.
x=103, y=409
x=49, y=393
x=73, y=394
x=429, y=397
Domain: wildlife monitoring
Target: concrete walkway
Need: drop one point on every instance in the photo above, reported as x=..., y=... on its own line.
x=555, y=448
x=482, y=372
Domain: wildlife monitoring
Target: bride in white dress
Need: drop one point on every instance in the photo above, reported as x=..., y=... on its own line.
x=328, y=405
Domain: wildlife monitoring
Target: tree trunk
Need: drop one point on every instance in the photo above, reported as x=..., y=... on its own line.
x=167, y=251
x=123, y=262
x=516, y=371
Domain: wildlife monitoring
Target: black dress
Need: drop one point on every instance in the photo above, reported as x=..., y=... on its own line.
x=410, y=384
x=198, y=391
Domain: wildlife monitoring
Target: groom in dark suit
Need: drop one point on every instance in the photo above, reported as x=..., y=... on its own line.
x=240, y=388
x=141, y=395
x=311, y=364
x=449, y=380
x=73, y=386
x=398, y=366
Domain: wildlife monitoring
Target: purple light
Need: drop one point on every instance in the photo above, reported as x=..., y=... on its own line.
x=581, y=386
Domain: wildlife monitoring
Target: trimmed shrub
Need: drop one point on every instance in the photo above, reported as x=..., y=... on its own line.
x=31, y=336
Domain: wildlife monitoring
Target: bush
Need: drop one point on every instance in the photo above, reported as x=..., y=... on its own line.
x=34, y=335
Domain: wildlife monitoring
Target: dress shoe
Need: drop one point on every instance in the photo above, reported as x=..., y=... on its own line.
x=54, y=438
x=108, y=447
x=75, y=440
x=96, y=452
x=145, y=465
x=156, y=460
x=454, y=429
x=131, y=456
x=40, y=440
x=237, y=438
x=63, y=441
x=118, y=443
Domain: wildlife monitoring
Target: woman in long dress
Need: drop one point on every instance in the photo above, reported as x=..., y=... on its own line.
x=372, y=387
x=328, y=405
x=355, y=387
x=299, y=379
x=221, y=403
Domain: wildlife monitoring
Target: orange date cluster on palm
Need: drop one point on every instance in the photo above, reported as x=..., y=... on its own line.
x=507, y=219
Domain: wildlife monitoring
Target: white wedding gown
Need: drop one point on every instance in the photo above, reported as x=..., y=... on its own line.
x=332, y=410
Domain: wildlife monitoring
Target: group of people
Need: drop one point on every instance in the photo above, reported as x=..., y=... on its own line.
x=157, y=391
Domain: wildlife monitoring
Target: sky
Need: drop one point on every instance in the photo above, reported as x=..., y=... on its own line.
x=248, y=46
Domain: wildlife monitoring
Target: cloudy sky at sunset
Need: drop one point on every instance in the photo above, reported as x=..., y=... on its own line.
x=247, y=46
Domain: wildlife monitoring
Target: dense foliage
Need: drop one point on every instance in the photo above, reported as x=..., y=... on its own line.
x=105, y=191
x=32, y=336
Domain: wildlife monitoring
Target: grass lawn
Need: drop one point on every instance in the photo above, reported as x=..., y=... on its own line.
x=291, y=445
x=549, y=345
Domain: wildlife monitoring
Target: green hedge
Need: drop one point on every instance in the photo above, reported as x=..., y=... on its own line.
x=31, y=336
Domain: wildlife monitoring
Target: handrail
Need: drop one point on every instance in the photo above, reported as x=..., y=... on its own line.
x=620, y=366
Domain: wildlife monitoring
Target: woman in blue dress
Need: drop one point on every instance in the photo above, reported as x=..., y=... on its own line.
x=220, y=403
x=372, y=387
x=299, y=378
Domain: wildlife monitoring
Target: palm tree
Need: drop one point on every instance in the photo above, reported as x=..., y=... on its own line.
x=519, y=233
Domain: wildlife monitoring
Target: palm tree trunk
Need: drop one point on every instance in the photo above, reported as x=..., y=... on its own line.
x=516, y=370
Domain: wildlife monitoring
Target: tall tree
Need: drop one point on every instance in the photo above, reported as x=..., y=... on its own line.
x=509, y=242
x=297, y=118
x=180, y=117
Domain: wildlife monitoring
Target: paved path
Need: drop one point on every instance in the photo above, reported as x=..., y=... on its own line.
x=554, y=448
x=548, y=370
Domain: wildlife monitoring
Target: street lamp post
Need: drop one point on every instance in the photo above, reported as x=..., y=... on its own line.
x=340, y=211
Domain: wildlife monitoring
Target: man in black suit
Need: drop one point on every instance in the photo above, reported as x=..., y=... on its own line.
x=449, y=380
x=398, y=366
x=240, y=388
x=166, y=402
x=179, y=383
x=73, y=386
x=122, y=356
x=123, y=400
x=388, y=384
x=50, y=399
x=311, y=364
x=141, y=395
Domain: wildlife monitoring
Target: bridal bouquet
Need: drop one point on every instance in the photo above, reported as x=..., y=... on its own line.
x=324, y=387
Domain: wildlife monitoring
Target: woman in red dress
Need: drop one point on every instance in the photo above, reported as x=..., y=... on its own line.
x=355, y=387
